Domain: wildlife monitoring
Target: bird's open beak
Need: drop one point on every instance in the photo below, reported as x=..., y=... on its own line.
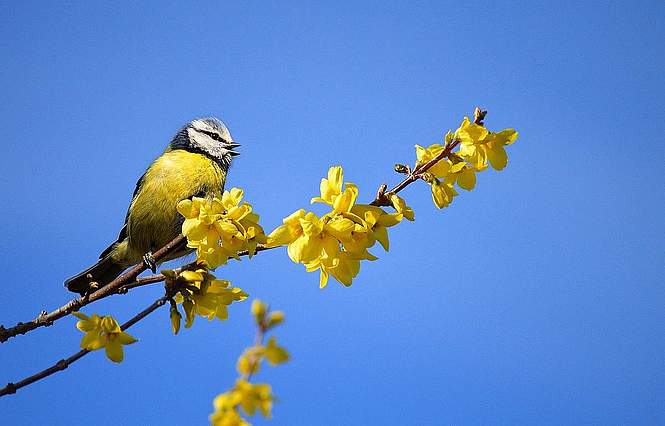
x=230, y=147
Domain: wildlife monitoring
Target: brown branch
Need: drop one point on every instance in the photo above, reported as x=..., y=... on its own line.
x=45, y=319
x=140, y=282
x=64, y=363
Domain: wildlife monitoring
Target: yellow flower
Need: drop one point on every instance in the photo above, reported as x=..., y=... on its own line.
x=332, y=193
x=317, y=238
x=442, y=193
x=469, y=132
x=201, y=217
x=472, y=137
x=325, y=264
x=401, y=207
x=206, y=296
x=232, y=198
x=175, y=319
x=463, y=174
x=226, y=410
x=343, y=267
x=287, y=233
x=103, y=332
x=253, y=396
x=471, y=150
x=306, y=236
x=480, y=146
x=345, y=201
x=249, y=361
x=227, y=418
x=249, y=396
x=274, y=353
x=340, y=227
x=253, y=232
x=331, y=187
x=347, y=268
x=496, y=152
x=357, y=240
x=220, y=228
x=212, y=255
x=424, y=155
x=371, y=225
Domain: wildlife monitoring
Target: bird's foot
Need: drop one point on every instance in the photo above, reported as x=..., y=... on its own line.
x=149, y=262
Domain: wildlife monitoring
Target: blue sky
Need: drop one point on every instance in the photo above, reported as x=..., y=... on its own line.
x=535, y=299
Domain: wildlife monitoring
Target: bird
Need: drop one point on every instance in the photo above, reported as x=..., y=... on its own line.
x=194, y=164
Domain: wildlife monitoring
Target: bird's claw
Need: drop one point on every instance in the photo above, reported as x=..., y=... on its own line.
x=149, y=262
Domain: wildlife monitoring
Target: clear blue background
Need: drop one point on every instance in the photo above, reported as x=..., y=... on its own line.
x=536, y=299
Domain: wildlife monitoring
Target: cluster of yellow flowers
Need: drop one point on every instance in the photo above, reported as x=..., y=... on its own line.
x=219, y=229
x=201, y=293
x=247, y=396
x=103, y=332
x=336, y=242
x=478, y=146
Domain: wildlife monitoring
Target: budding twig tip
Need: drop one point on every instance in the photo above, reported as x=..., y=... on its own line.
x=402, y=168
x=479, y=116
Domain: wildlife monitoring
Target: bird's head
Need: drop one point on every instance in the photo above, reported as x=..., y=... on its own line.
x=208, y=136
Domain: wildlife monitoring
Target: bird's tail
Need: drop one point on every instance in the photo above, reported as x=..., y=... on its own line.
x=102, y=272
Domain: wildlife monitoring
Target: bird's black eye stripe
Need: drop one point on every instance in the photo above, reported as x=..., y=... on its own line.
x=213, y=135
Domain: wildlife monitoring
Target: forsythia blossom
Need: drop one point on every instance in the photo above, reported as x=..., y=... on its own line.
x=202, y=294
x=478, y=146
x=248, y=396
x=250, y=360
x=103, y=332
x=336, y=242
x=219, y=229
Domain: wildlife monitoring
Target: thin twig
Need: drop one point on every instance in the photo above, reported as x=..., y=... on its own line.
x=383, y=198
x=64, y=363
x=140, y=282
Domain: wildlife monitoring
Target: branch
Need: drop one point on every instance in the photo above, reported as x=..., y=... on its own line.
x=64, y=363
x=383, y=198
x=140, y=282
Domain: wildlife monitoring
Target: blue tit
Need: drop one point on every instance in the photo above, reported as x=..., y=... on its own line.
x=194, y=164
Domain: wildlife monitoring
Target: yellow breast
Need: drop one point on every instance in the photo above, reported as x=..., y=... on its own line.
x=152, y=218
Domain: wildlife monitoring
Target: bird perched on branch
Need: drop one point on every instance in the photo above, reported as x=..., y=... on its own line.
x=194, y=164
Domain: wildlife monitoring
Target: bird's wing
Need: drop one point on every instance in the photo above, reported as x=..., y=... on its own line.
x=123, y=231
x=197, y=192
